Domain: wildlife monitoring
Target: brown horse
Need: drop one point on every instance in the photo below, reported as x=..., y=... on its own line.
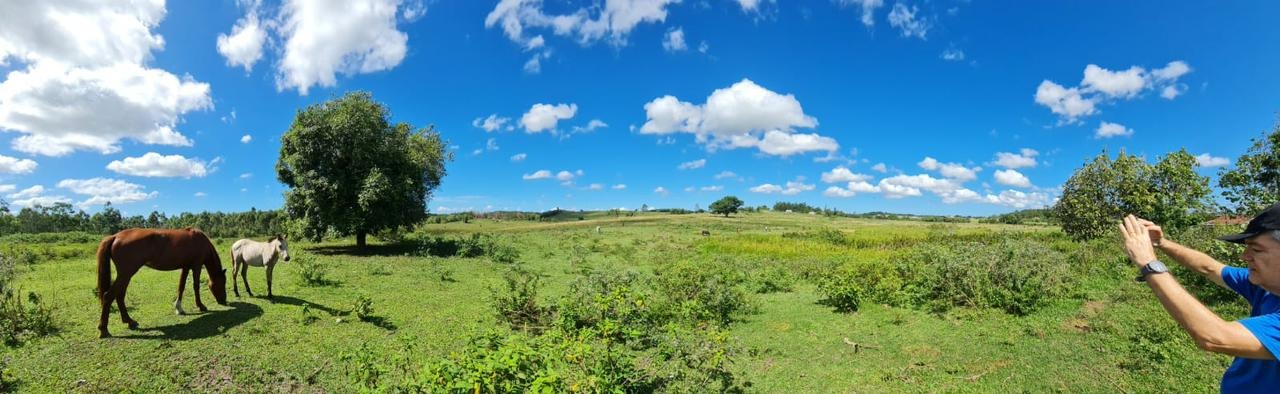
x=164, y=250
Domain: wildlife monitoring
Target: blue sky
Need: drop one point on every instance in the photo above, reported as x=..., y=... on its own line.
x=934, y=107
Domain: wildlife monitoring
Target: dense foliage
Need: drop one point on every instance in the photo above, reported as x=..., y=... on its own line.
x=1169, y=192
x=348, y=168
x=1253, y=183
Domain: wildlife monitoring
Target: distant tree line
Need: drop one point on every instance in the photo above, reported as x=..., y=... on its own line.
x=63, y=217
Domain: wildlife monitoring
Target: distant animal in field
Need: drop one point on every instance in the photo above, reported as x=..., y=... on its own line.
x=597, y=229
x=706, y=233
x=164, y=250
x=247, y=252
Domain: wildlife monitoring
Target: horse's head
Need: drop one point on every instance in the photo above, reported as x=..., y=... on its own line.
x=218, y=285
x=282, y=246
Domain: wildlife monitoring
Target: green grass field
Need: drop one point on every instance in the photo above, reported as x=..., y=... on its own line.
x=1104, y=334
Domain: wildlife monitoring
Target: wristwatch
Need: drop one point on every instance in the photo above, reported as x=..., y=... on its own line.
x=1154, y=267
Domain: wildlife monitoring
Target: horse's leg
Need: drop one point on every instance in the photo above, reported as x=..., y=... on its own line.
x=244, y=275
x=119, y=289
x=195, y=288
x=182, y=284
x=270, y=268
x=235, y=267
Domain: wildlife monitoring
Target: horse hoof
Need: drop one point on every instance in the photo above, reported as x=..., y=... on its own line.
x=133, y=325
x=103, y=334
x=203, y=309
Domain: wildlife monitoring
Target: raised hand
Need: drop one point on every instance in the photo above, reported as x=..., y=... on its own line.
x=1137, y=241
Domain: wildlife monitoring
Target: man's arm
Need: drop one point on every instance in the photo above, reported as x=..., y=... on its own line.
x=1210, y=332
x=1194, y=260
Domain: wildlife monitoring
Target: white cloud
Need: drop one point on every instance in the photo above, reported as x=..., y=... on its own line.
x=921, y=181
x=1068, y=103
x=153, y=164
x=843, y=175
x=591, y=126
x=743, y=115
x=703, y=47
x=726, y=175
x=492, y=123
x=1208, y=161
x=199, y=195
x=246, y=175
x=614, y=20
x=595, y=186
x=713, y=188
x=792, y=187
x=519, y=157
x=950, y=170
x=952, y=54
x=246, y=138
x=8, y=188
x=749, y=5
x=834, y=191
x=491, y=144
x=33, y=196
x=540, y=174
x=84, y=85
x=322, y=39
x=1108, y=130
x=1121, y=84
x=414, y=10
x=1013, y=178
x=868, y=9
x=1026, y=158
x=1017, y=199
x=619, y=186
x=1172, y=71
x=767, y=188
x=1101, y=85
x=674, y=41
x=543, y=117
x=692, y=165
x=880, y=167
x=661, y=190
x=13, y=165
x=564, y=176
x=243, y=47
x=905, y=20
x=103, y=190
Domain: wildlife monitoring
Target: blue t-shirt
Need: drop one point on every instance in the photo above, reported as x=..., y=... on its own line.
x=1249, y=375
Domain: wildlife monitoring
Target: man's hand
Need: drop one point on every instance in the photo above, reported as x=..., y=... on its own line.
x=1137, y=241
x=1154, y=231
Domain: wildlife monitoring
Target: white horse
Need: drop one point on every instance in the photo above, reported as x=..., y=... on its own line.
x=247, y=252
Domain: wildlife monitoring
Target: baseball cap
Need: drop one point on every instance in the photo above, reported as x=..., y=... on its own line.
x=1266, y=221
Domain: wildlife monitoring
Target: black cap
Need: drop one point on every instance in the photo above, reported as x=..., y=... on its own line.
x=1266, y=221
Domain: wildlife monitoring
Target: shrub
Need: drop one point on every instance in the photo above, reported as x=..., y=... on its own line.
x=705, y=292
x=1013, y=274
x=516, y=302
x=616, y=304
x=362, y=308
x=841, y=291
x=772, y=279
x=21, y=318
x=311, y=270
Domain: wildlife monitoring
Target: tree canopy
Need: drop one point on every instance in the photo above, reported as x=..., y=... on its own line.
x=351, y=170
x=1097, y=195
x=726, y=206
x=1254, y=183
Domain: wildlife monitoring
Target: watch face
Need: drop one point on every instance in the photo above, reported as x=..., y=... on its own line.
x=1157, y=266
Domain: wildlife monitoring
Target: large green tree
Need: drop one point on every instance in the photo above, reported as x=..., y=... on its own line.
x=726, y=206
x=350, y=169
x=1254, y=183
x=1098, y=194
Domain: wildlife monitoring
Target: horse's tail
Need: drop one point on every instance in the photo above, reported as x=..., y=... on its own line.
x=104, y=266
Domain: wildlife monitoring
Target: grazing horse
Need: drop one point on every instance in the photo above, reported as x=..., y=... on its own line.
x=247, y=252
x=164, y=250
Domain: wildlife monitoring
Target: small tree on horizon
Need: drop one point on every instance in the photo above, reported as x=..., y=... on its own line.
x=726, y=206
x=1254, y=182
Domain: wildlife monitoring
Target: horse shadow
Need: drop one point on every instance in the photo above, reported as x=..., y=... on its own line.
x=287, y=300
x=206, y=325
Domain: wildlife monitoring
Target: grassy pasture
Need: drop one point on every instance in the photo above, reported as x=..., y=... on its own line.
x=1103, y=334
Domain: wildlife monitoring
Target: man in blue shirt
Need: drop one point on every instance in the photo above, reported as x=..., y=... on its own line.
x=1255, y=340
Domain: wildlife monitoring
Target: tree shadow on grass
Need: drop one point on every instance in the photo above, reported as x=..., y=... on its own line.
x=384, y=250
x=206, y=325
x=380, y=322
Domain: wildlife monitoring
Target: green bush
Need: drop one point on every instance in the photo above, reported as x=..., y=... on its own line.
x=772, y=279
x=841, y=291
x=706, y=291
x=1205, y=239
x=311, y=271
x=21, y=318
x=615, y=304
x=516, y=302
x=1010, y=273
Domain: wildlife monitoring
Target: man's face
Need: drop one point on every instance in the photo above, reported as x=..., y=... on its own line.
x=1262, y=252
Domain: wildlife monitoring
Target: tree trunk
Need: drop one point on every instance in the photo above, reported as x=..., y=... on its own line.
x=360, y=237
